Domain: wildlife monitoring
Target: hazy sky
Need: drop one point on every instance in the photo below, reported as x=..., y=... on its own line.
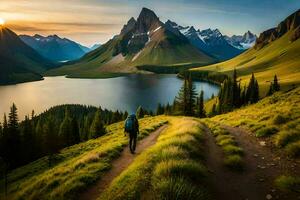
x=96, y=21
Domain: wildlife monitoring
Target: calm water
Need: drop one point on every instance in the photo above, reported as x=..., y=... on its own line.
x=123, y=93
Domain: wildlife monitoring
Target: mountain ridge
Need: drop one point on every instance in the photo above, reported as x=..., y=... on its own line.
x=141, y=42
x=274, y=53
x=55, y=48
x=213, y=42
x=19, y=62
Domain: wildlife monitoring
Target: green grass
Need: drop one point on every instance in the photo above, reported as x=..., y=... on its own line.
x=75, y=168
x=293, y=149
x=231, y=151
x=171, y=169
x=276, y=117
x=288, y=183
x=234, y=162
x=266, y=131
x=280, y=57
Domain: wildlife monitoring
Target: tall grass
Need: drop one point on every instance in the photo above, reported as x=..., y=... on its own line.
x=78, y=167
x=171, y=169
x=231, y=151
x=277, y=117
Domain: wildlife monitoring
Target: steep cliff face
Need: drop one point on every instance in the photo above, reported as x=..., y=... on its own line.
x=291, y=23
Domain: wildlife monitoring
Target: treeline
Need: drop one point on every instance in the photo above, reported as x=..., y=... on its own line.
x=231, y=96
x=44, y=135
x=188, y=102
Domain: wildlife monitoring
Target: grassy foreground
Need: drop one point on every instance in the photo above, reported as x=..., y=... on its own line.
x=232, y=152
x=276, y=118
x=171, y=169
x=75, y=167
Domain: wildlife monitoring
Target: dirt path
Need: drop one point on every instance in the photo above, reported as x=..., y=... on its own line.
x=119, y=165
x=262, y=166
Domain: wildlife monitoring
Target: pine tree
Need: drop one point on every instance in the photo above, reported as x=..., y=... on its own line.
x=243, y=96
x=276, y=86
x=140, y=112
x=14, y=138
x=252, y=94
x=213, y=111
x=97, y=128
x=256, y=92
x=39, y=137
x=235, y=90
x=167, y=110
x=200, y=109
x=50, y=140
x=65, y=130
x=191, y=97
x=27, y=140
x=75, y=136
x=182, y=99
x=271, y=90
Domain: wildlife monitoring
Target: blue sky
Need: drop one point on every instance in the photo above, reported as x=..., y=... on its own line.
x=96, y=21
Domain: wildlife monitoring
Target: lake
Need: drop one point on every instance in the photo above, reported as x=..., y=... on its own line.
x=122, y=93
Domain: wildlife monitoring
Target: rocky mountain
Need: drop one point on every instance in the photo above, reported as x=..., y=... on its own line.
x=95, y=46
x=18, y=61
x=244, y=42
x=291, y=23
x=145, y=41
x=208, y=40
x=55, y=48
x=276, y=51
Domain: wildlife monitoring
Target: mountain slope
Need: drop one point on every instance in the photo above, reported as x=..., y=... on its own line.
x=141, y=42
x=245, y=41
x=210, y=41
x=55, y=48
x=277, y=51
x=18, y=61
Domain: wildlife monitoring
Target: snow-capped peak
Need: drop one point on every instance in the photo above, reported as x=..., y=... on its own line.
x=245, y=41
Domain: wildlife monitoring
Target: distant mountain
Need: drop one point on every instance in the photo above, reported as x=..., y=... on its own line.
x=244, y=42
x=210, y=41
x=95, y=46
x=143, y=42
x=291, y=23
x=18, y=61
x=276, y=51
x=55, y=48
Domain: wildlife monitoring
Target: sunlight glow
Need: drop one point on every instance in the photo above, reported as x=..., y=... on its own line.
x=2, y=21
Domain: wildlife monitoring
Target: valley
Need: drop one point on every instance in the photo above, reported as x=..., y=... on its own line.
x=207, y=92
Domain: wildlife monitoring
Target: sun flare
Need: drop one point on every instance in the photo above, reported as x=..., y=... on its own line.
x=2, y=21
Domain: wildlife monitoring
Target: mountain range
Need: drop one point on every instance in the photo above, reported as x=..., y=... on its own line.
x=143, y=42
x=245, y=41
x=276, y=51
x=55, y=48
x=214, y=42
x=18, y=61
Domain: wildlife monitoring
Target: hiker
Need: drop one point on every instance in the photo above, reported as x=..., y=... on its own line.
x=132, y=127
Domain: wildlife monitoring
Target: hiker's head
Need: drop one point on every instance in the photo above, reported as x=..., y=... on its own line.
x=132, y=116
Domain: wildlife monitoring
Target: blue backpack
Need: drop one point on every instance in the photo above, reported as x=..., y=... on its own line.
x=130, y=124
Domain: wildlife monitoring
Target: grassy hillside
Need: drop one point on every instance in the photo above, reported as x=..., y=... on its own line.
x=74, y=168
x=275, y=119
x=280, y=57
x=172, y=169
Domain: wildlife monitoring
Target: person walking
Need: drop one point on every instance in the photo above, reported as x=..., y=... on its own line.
x=132, y=128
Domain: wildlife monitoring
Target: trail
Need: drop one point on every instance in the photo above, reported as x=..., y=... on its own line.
x=119, y=165
x=262, y=166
